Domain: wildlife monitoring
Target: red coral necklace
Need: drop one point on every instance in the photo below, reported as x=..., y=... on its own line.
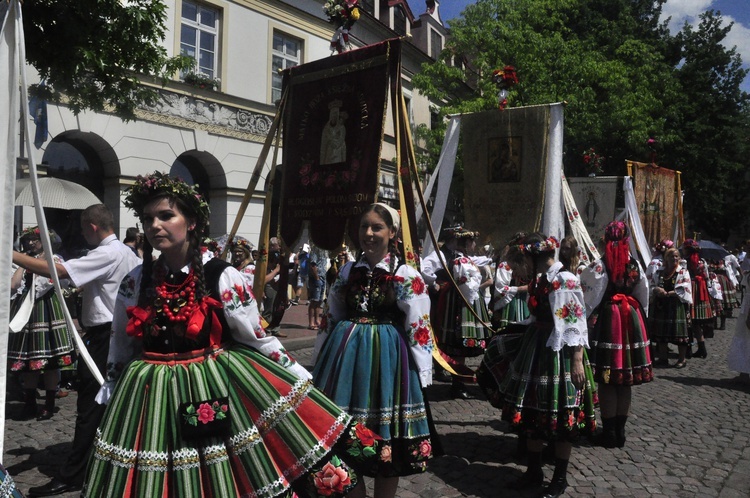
x=177, y=301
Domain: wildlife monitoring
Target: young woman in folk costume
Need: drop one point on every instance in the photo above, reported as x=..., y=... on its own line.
x=548, y=392
x=44, y=344
x=727, y=284
x=374, y=352
x=460, y=332
x=671, y=296
x=617, y=292
x=210, y=405
x=702, y=309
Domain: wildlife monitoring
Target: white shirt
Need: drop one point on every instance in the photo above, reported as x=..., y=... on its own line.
x=99, y=273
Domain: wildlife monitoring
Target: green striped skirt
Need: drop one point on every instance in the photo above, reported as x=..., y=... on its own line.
x=668, y=320
x=280, y=441
x=460, y=333
x=45, y=342
x=540, y=399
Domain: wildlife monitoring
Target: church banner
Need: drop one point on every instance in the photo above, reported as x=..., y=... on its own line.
x=505, y=163
x=333, y=121
x=657, y=196
x=599, y=200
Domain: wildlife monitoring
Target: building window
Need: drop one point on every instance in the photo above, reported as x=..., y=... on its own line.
x=199, y=37
x=399, y=20
x=286, y=52
x=436, y=44
x=368, y=6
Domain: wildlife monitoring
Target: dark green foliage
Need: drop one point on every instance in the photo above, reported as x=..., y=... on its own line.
x=96, y=52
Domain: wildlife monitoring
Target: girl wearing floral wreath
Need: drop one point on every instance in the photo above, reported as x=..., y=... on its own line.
x=205, y=402
x=548, y=392
x=702, y=310
x=44, y=343
x=242, y=258
x=671, y=295
x=617, y=291
x=374, y=354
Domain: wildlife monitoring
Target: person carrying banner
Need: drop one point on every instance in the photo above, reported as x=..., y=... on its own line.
x=374, y=352
x=40, y=342
x=201, y=401
x=99, y=274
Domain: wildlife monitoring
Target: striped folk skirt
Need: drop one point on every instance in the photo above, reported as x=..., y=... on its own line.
x=45, y=342
x=515, y=311
x=496, y=363
x=729, y=293
x=620, y=353
x=668, y=320
x=8, y=487
x=458, y=331
x=368, y=371
x=702, y=308
x=281, y=432
x=539, y=397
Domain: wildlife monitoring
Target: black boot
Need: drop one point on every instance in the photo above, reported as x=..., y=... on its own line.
x=723, y=323
x=607, y=438
x=620, y=422
x=701, y=353
x=689, y=350
x=533, y=475
x=29, y=407
x=559, y=482
x=49, y=405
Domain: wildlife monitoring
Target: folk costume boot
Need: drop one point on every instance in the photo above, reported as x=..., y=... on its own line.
x=723, y=323
x=607, y=438
x=534, y=476
x=620, y=422
x=559, y=482
x=49, y=405
x=701, y=353
x=29, y=407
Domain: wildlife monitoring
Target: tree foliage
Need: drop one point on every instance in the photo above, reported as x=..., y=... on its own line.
x=624, y=78
x=93, y=54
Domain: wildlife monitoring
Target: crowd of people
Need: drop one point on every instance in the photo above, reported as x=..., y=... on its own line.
x=201, y=397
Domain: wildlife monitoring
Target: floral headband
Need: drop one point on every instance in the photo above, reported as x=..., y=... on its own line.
x=30, y=232
x=664, y=245
x=147, y=187
x=243, y=244
x=211, y=245
x=691, y=245
x=547, y=245
x=616, y=231
x=459, y=232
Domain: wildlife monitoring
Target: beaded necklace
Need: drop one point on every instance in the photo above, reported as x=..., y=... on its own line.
x=176, y=301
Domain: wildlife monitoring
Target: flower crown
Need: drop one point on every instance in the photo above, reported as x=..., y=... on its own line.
x=691, y=245
x=664, y=245
x=547, y=245
x=243, y=243
x=148, y=187
x=616, y=231
x=211, y=245
x=459, y=232
x=30, y=232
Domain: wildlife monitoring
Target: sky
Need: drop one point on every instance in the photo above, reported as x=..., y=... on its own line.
x=680, y=11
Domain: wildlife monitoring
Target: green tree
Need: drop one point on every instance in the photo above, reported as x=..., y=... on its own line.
x=623, y=76
x=93, y=54
x=713, y=127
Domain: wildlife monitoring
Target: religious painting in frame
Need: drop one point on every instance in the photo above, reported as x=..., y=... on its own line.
x=504, y=159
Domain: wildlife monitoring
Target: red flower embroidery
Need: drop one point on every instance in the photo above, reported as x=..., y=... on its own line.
x=417, y=286
x=227, y=295
x=331, y=479
x=425, y=449
x=205, y=413
x=555, y=284
x=365, y=435
x=422, y=336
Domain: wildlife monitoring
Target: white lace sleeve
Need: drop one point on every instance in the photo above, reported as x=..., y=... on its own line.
x=594, y=280
x=504, y=292
x=467, y=277
x=414, y=301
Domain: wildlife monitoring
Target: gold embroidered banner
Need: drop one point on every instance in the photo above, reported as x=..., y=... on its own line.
x=333, y=128
x=657, y=194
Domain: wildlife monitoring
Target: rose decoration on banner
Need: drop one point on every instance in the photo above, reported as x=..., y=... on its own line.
x=504, y=79
x=342, y=13
x=593, y=162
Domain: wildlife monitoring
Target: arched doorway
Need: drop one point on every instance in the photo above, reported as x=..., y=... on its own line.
x=205, y=172
x=84, y=158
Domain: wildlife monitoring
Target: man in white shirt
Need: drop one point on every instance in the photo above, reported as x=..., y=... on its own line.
x=99, y=274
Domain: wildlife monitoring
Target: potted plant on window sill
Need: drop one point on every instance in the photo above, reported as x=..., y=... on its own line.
x=202, y=80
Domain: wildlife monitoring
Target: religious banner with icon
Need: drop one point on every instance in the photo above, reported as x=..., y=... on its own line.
x=333, y=128
x=599, y=200
x=658, y=195
x=505, y=167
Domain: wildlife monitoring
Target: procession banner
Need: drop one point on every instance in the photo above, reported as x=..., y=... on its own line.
x=333, y=129
x=599, y=200
x=505, y=167
x=657, y=198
